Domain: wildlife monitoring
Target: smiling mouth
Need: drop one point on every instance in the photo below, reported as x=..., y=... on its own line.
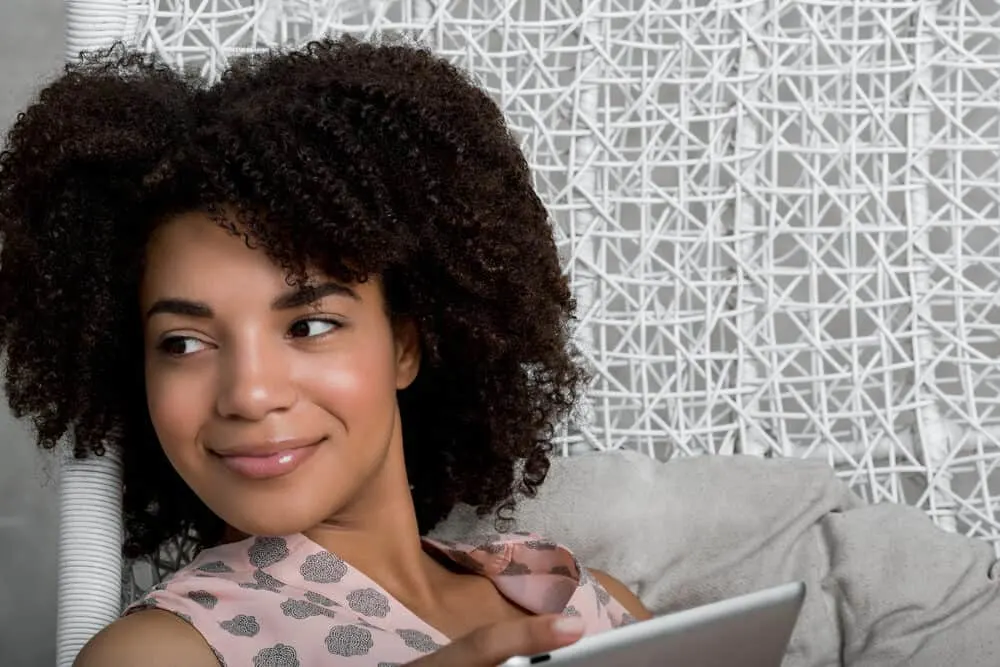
x=267, y=465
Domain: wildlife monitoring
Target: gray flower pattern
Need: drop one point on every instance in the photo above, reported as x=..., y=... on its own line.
x=356, y=635
x=603, y=598
x=349, y=640
x=541, y=545
x=323, y=568
x=279, y=655
x=316, y=598
x=266, y=551
x=204, y=598
x=418, y=641
x=215, y=567
x=369, y=602
x=514, y=567
x=264, y=582
x=493, y=548
x=241, y=626
x=301, y=609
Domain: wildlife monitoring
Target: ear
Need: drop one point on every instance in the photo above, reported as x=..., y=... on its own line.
x=407, y=341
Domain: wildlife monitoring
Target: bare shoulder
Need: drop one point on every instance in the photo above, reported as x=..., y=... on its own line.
x=149, y=638
x=620, y=592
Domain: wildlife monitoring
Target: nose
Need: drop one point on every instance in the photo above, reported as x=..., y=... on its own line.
x=254, y=381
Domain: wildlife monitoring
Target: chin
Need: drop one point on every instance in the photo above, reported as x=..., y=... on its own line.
x=270, y=526
x=265, y=517
x=287, y=505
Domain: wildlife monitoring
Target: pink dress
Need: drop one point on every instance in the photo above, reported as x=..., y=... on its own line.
x=287, y=602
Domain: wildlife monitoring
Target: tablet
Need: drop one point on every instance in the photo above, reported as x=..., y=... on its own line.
x=747, y=631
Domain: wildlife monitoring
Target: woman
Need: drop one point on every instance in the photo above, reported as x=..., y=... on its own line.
x=314, y=306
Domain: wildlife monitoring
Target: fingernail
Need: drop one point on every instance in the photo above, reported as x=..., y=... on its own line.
x=568, y=625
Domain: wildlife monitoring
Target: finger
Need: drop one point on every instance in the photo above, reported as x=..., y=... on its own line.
x=491, y=645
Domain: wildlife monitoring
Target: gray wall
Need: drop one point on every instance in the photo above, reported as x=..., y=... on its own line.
x=31, y=46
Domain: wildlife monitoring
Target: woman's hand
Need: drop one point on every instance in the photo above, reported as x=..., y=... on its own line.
x=491, y=645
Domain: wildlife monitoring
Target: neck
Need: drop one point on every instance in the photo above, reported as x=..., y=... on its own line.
x=378, y=535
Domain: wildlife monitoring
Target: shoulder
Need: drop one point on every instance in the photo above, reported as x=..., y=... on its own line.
x=622, y=594
x=149, y=638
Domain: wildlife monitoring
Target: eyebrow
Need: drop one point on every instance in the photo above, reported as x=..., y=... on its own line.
x=302, y=296
x=307, y=294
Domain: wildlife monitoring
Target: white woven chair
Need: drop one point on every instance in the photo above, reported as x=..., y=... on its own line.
x=780, y=219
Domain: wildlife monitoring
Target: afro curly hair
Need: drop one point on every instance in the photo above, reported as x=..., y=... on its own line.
x=358, y=158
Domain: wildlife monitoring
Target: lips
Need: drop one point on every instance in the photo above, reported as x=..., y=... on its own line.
x=266, y=460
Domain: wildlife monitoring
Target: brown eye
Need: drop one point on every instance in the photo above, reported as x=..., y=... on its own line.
x=179, y=346
x=311, y=328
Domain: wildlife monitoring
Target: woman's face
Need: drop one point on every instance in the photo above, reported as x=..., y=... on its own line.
x=275, y=404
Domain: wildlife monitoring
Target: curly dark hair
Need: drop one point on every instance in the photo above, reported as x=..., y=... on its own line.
x=358, y=158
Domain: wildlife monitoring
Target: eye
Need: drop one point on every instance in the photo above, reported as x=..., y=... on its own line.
x=181, y=346
x=311, y=328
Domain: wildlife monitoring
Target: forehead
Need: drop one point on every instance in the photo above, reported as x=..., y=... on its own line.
x=194, y=246
x=191, y=250
x=192, y=255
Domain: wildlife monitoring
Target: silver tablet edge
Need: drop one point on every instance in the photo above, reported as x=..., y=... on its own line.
x=738, y=604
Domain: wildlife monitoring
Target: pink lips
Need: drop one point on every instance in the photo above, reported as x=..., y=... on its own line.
x=280, y=460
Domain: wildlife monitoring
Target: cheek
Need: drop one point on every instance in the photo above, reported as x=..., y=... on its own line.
x=176, y=408
x=356, y=388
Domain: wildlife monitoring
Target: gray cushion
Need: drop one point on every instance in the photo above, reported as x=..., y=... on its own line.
x=885, y=586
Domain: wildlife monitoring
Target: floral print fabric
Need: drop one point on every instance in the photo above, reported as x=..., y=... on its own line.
x=287, y=602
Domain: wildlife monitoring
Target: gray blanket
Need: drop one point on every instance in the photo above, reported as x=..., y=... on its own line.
x=885, y=585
